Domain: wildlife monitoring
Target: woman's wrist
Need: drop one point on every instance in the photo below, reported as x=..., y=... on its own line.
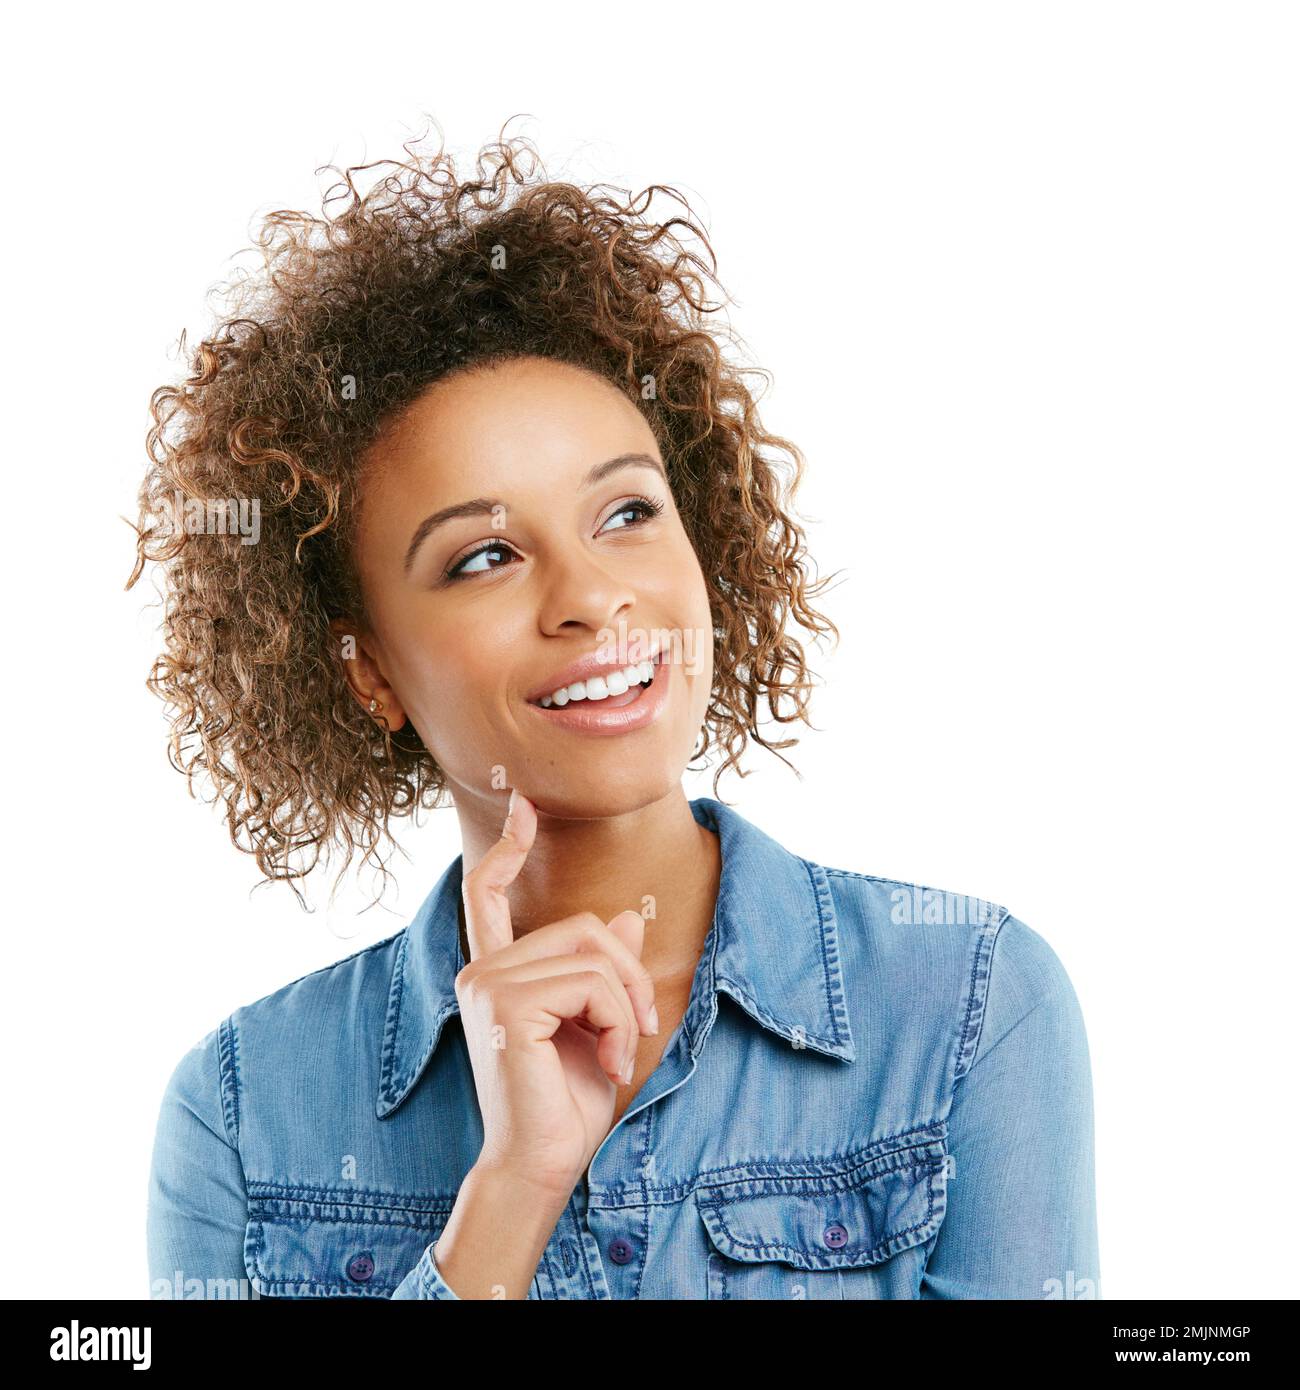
x=500, y=1226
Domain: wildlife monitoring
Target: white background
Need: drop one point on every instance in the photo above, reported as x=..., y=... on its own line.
x=1027, y=278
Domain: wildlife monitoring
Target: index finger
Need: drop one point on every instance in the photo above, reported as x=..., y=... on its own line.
x=483, y=889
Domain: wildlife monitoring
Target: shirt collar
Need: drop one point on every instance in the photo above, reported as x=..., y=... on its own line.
x=773, y=948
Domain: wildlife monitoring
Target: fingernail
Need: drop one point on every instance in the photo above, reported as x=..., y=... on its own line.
x=654, y=1020
x=629, y=1072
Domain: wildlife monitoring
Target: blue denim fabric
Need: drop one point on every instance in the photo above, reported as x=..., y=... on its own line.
x=877, y=1091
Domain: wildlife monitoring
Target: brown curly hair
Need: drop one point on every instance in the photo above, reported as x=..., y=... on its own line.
x=349, y=317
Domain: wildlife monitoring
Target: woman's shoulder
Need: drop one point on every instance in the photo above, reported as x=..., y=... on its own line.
x=948, y=978
x=939, y=954
x=905, y=915
x=930, y=942
x=325, y=1008
x=365, y=972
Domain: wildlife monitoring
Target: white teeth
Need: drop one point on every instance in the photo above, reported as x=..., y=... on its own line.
x=600, y=687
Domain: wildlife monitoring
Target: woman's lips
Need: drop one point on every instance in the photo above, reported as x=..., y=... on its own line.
x=636, y=708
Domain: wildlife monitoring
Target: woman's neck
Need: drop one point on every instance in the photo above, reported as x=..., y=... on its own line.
x=658, y=861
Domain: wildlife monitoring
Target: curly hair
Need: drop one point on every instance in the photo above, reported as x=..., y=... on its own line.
x=348, y=318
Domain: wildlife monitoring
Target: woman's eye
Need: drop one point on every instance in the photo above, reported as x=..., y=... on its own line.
x=490, y=557
x=632, y=513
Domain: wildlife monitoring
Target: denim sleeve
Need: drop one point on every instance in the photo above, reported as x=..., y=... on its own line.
x=1021, y=1218
x=198, y=1204
x=198, y=1208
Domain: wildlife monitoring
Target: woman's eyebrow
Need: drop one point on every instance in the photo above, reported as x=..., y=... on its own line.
x=485, y=506
x=603, y=470
x=480, y=506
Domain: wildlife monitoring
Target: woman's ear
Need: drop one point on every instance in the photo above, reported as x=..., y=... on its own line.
x=364, y=676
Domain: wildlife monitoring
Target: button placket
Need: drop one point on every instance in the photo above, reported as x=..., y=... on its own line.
x=619, y=1233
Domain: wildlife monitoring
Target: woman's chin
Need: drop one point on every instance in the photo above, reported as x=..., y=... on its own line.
x=575, y=799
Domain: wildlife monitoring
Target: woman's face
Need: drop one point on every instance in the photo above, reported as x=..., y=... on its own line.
x=514, y=522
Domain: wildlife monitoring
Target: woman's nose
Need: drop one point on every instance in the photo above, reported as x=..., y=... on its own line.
x=579, y=592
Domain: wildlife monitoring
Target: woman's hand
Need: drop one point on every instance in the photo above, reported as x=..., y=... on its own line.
x=552, y=1020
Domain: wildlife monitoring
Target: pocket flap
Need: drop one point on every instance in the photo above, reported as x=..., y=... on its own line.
x=832, y=1221
x=324, y=1248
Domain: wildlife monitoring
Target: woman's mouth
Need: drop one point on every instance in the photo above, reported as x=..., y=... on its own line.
x=614, y=702
x=614, y=689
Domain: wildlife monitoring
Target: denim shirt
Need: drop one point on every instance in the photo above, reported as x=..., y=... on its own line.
x=877, y=1090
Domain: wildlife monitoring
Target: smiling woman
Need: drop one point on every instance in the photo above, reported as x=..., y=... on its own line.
x=526, y=549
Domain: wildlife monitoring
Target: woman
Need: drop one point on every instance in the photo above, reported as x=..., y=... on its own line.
x=522, y=545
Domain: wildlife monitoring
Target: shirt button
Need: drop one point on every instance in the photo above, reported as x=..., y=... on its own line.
x=835, y=1236
x=620, y=1251
x=360, y=1268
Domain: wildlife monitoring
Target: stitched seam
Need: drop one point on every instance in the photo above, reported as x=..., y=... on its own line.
x=855, y=1158
x=717, y=1275
x=816, y=1187
x=394, y=1018
x=742, y=995
x=977, y=995
x=707, y=1194
x=709, y=995
x=228, y=1078
x=646, y=1126
x=774, y=1168
x=1051, y=998
x=351, y=1197
x=414, y=1221
x=830, y=951
x=430, y=1221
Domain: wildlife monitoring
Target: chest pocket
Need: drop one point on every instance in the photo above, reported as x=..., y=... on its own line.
x=320, y=1244
x=856, y=1234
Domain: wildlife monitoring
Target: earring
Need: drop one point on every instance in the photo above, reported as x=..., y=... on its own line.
x=375, y=706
